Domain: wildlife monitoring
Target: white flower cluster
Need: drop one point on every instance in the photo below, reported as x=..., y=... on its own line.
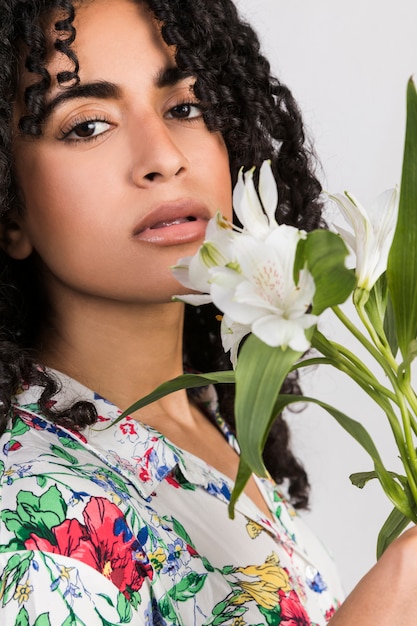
x=248, y=273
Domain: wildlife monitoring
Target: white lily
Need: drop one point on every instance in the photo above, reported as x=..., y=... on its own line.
x=248, y=273
x=193, y=271
x=256, y=213
x=373, y=232
x=259, y=291
x=232, y=334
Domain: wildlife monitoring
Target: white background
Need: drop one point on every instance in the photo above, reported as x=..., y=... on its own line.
x=347, y=64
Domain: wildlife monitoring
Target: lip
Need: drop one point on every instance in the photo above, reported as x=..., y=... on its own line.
x=173, y=223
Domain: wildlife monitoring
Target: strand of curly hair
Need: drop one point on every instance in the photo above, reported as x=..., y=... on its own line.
x=258, y=119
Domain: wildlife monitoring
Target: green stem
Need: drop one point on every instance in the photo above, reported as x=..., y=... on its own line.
x=390, y=372
x=404, y=440
x=409, y=461
x=367, y=381
x=383, y=347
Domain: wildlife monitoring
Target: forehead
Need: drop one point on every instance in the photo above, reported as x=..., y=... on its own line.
x=108, y=33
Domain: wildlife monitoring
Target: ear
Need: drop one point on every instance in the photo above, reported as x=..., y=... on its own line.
x=14, y=240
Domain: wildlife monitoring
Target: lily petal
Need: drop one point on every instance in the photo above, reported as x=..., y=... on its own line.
x=268, y=192
x=372, y=235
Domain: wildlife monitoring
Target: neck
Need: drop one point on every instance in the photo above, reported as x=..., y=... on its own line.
x=122, y=351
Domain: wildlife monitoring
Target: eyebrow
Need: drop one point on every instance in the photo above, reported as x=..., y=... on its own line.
x=104, y=90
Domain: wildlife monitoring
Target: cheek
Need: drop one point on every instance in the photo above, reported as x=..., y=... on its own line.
x=53, y=193
x=221, y=180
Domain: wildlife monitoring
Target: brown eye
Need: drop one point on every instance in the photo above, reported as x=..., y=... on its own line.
x=85, y=130
x=186, y=110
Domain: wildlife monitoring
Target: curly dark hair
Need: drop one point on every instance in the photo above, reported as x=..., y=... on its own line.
x=258, y=119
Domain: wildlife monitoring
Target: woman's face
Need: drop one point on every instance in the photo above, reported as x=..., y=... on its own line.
x=125, y=176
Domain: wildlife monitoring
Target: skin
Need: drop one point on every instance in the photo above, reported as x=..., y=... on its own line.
x=88, y=208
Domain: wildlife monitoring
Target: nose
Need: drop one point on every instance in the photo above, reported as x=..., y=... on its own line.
x=157, y=155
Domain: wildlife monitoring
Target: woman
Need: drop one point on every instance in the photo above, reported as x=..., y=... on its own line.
x=123, y=127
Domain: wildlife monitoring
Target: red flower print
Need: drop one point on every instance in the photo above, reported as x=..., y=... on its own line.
x=330, y=613
x=172, y=481
x=105, y=543
x=292, y=611
x=191, y=551
x=128, y=429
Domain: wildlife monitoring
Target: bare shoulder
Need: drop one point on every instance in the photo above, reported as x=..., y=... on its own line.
x=387, y=594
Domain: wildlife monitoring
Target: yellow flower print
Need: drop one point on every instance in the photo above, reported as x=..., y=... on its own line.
x=116, y=499
x=239, y=621
x=261, y=583
x=23, y=592
x=157, y=558
x=253, y=529
x=107, y=569
x=64, y=572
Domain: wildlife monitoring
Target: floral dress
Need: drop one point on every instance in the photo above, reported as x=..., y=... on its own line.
x=116, y=525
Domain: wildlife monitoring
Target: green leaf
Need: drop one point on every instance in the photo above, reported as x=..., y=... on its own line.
x=124, y=609
x=325, y=254
x=166, y=609
x=106, y=598
x=243, y=474
x=36, y=514
x=260, y=372
x=41, y=480
x=16, y=568
x=185, y=381
x=181, y=532
x=58, y=451
x=402, y=260
x=188, y=587
x=70, y=443
x=393, y=527
x=360, y=479
x=389, y=481
x=42, y=620
x=22, y=618
x=19, y=427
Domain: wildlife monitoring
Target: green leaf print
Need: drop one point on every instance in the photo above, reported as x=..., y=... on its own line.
x=41, y=480
x=224, y=611
x=124, y=609
x=167, y=610
x=13, y=546
x=73, y=620
x=22, y=617
x=187, y=588
x=181, y=532
x=272, y=616
x=1, y=467
x=182, y=480
x=16, y=568
x=107, y=599
x=134, y=597
x=36, y=514
x=229, y=613
x=42, y=620
x=58, y=451
x=70, y=443
x=19, y=427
